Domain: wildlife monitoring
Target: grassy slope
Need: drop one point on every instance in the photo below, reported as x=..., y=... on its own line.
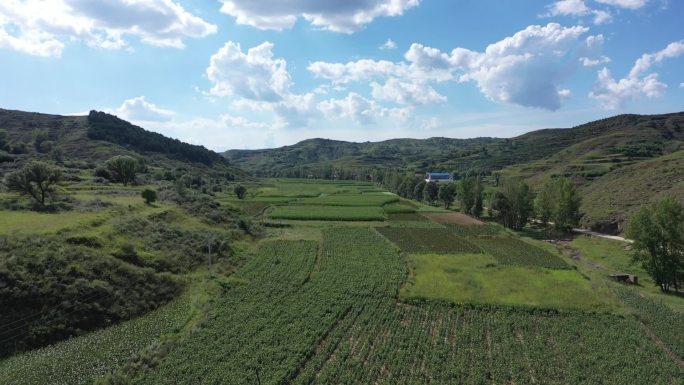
x=70, y=134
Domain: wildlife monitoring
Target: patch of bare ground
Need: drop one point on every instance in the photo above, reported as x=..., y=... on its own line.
x=453, y=218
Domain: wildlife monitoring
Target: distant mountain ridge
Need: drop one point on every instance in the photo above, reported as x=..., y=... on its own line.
x=637, y=158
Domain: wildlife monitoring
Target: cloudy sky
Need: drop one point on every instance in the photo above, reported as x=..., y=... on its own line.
x=254, y=74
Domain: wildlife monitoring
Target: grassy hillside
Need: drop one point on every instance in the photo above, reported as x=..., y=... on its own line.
x=85, y=141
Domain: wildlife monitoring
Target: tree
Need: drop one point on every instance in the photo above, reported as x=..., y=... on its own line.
x=430, y=192
x=513, y=204
x=36, y=179
x=240, y=191
x=559, y=202
x=150, y=196
x=418, y=190
x=566, y=214
x=470, y=192
x=658, y=234
x=122, y=168
x=447, y=194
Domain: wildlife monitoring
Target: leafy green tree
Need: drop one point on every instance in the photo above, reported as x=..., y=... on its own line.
x=559, y=203
x=57, y=155
x=658, y=234
x=543, y=204
x=470, y=195
x=566, y=214
x=36, y=180
x=240, y=191
x=430, y=192
x=38, y=138
x=513, y=204
x=418, y=190
x=150, y=196
x=122, y=168
x=447, y=194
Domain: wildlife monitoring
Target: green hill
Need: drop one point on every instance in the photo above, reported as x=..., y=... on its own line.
x=628, y=159
x=85, y=141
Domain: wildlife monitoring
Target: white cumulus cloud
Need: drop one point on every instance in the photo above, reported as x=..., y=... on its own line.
x=612, y=93
x=254, y=74
x=406, y=93
x=577, y=8
x=361, y=110
x=140, y=110
x=332, y=15
x=43, y=28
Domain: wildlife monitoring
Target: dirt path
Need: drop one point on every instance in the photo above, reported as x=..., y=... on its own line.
x=599, y=235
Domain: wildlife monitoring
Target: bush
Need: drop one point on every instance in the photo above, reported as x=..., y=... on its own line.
x=150, y=196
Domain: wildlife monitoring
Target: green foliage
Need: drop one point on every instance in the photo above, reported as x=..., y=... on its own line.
x=470, y=195
x=418, y=190
x=38, y=138
x=150, y=196
x=107, y=127
x=487, y=229
x=430, y=192
x=513, y=204
x=36, y=179
x=57, y=155
x=4, y=141
x=559, y=202
x=658, y=234
x=122, y=168
x=82, y=360
x=240, y=191
x=292, y=299
x=399, y=208
x=447, y=194
x=663, y=321
x=511, y=251
x=427, y=240
x=53, y=290
x=328, y=213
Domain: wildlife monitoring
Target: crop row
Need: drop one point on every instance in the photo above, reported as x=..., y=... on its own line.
x=427, y=240
x=399, y=208
x=83, y=359
x=487, y=229
x=351, y=200
x=263, y=331
x=667, y=324
x=328, y=213
x=511, y=251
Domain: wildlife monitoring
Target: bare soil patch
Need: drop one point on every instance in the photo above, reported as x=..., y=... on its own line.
x=453, y=218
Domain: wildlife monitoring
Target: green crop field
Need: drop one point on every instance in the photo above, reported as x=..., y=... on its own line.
x=480, y=278
x=400, y=208
x=82, y=360
x=408, y=217
x=513, y=251
x=351, y=200
x=427, y=240
x=328, y=213
x=487, y=229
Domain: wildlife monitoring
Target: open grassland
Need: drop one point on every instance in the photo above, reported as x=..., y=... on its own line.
x=25, y=222
x=351, y=200
x=83, y=359
x=602, y=257
x=329, y=213
x=511, y=251
x=427, y=240
x=480, y=278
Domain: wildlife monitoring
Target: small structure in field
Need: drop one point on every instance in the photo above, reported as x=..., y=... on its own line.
x=439, y=177
x=626, y=278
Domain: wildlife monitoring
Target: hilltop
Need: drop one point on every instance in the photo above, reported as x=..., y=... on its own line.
x=618, y=163
x=85, y=141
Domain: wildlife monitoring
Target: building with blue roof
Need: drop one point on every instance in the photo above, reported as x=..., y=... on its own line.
x=439, y=177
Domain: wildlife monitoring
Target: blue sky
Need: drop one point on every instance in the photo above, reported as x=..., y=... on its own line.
x=254, y=74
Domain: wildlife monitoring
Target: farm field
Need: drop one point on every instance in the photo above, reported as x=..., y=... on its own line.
x=482, y=279
x=330, y=213
x=513, y=251
x=427, y=240
x=371, y=293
